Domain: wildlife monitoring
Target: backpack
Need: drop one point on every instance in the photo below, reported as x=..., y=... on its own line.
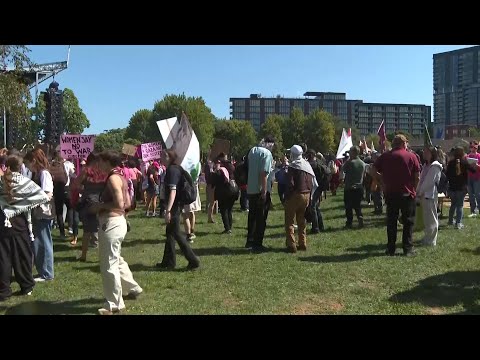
x=241, y=172
x=321, y=173
x=188, y=192
x=58, y=172
x=442, y=186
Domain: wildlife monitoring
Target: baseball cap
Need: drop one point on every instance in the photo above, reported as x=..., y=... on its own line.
x=296, y=150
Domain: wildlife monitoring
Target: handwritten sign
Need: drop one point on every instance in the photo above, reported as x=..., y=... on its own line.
x=76, y=146
x=129, y=150
x=151, y=151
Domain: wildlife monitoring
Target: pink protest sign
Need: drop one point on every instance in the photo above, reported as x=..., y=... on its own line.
x=151, y=151
x=76, y=146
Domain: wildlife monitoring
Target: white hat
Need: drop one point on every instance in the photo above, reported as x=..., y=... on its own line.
x=296, y=150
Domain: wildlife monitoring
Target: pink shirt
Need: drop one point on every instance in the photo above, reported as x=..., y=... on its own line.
x=129, y=174
x=475, y=175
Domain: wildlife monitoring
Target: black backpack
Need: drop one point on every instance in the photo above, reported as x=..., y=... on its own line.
x=188, y=192
x=442, y=186
x=241, y=172
x=321, y=173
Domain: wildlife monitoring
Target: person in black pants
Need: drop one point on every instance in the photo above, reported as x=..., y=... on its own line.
x=259, y=167
x=173, y=180
x=399, y=170
x=61, y=193
x=354, y=169
x=223, y=193
x=15, y=245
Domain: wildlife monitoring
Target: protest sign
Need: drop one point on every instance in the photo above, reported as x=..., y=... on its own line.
x=76, y=146
x=219, y=146
x=129, y=150
x=151, y=151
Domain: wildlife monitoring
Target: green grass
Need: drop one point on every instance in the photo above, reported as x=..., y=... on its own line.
x=343, y=272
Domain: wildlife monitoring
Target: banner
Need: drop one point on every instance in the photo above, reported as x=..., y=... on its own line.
x=129, y=150
x=76, y=146
x=219, y=146
x=151, y=151
x=345, y=144
x=180, y=136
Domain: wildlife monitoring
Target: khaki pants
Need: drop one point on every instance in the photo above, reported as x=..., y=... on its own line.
x=295, y=207
x=117, y=278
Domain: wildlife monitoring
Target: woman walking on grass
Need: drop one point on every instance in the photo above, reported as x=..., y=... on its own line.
x=458, y=169
x=427, y=194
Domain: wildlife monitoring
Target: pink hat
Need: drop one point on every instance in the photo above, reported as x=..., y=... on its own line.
x=156, y=165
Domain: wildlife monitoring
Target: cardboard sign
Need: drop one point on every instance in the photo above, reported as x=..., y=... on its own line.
x=129, y=150
x=219, y=146
x=151, y=151
x=76, y=146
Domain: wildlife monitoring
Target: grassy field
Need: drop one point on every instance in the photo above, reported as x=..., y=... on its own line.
x=343, y=272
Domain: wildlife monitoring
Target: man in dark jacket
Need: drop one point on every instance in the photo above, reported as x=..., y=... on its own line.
x=321, y=174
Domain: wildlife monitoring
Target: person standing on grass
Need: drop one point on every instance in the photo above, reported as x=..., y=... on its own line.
x=189, y=215
x=116, y=276
x=376, y=187
x=427, y=194
x=474, y=182
x=173, y=186
x=89, y=184
x=42, y=216
x=152, y=189
x=457, y=175
x=210, y=190
x=281, y=177
x=18, y=195
x=300, y=179
x=225, y=194
x=321, y=174
x=354, y=170
x=399, y=171
x=260, y=161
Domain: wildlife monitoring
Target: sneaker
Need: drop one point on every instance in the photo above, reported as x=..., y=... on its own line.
x=164, y=266
x=249, y=245
x=29, y=293
x=134, y=294
x=41, y=279
x=189, y=238
x=348, y=226
x=360, y=223
x=295, y=226
x=104, y=311
x=194, y=266
x=459, y=226
x=193, y=236
x=389, y=253
x=70, y=231
x=475, y=214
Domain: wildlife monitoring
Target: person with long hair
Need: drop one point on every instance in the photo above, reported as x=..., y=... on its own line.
x=474, y=182
x=18, y=195
x=117, y=278
x=427, y=193
x=458, y=169
x=173, y=186
x=223, y=191
x=89, y=184
x=152, y=190
x=43, y=216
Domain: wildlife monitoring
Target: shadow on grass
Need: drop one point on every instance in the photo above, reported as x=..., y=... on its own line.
x=445, y=290
x=59, y=259
x=75, y=307
x=471, y=251
x=131, y=243
x=369, y=248
x=339, y=258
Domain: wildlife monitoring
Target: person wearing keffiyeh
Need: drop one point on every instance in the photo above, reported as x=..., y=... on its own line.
x=18, y=196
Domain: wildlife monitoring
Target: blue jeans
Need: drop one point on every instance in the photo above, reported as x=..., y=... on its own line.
x=43, y=247
x=377, y=201
x=243, y=200
x=474, y=194
x=457, y=198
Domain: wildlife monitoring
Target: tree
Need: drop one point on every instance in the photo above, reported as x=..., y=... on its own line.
x=74, y=119
x=113, y=140
x=320, y=131
x=273, y=127
x=240, y=133
x=198, y=113
x=293, y=129
x=138, y=125
x=14, y=93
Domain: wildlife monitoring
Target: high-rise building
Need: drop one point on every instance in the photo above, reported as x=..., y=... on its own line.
x=365, y=116
x=456, y=91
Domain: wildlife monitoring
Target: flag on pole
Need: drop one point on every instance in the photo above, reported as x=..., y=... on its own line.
x=373, y=147
x=367, y=150
x=426, y=136
x=180, y=136
x=382, y=135
x=345, y=143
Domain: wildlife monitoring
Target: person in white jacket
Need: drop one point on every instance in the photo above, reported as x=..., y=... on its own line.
x=427, y=194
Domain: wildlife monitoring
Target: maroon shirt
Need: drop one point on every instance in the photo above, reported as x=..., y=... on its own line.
x=398, y=168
